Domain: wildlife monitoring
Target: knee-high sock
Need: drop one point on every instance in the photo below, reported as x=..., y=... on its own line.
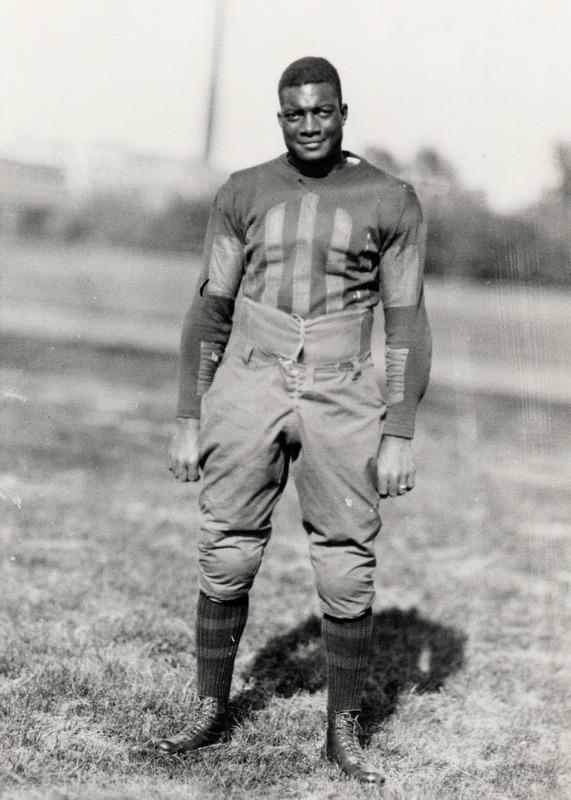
x=219, y=627
x=347, y=645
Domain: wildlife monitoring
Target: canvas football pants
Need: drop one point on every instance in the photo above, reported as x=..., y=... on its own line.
x=266, y=411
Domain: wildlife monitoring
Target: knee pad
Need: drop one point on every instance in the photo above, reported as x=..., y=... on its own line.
x=344, y=598
x=228, y=565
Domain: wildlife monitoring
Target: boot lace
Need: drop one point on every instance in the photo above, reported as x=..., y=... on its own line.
x=204, y=713
x=347, y=729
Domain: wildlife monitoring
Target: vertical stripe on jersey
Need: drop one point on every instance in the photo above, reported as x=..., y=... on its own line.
x=303, y=255
x=274, y=233
x=336, y=261
x=226, y=265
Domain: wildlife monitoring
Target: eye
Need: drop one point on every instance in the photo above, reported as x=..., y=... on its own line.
x=292, y=116
x=325, y=112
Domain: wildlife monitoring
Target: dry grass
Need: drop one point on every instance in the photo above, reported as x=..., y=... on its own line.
x=468, y=695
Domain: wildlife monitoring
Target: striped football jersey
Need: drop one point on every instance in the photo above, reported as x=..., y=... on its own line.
x=316, y=246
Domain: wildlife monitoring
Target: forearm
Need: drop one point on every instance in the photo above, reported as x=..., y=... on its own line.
x=189, y=363
x=408, y=354
x=205, y=333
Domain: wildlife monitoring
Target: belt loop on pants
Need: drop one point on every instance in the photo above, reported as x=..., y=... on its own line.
x=247, y=351
x=356, y=364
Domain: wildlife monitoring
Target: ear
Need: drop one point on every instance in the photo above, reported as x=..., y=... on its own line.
x=280, y=119
x=344, y=112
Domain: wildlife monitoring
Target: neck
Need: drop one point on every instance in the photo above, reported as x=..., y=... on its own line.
x=317, y=169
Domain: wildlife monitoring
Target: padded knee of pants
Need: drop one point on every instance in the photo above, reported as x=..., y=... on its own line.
x=343, y=597
x=228, y=572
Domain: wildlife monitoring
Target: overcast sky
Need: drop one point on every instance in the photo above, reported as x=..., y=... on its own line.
x=487, y=82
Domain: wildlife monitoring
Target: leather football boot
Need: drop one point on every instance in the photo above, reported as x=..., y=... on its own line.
x=208, y=726
x=342, y=746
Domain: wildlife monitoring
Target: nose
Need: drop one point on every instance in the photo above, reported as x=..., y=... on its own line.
x=310, y=124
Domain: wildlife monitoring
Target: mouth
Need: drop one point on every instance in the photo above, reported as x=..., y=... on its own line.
x=313, y=145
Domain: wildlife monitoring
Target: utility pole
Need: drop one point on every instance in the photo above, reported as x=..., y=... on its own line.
x=214, y=75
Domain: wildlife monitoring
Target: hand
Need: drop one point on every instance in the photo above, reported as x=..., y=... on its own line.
x=183, y=450
x=395, y=466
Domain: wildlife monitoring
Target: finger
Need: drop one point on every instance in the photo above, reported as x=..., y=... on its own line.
x=179, y=471
x=393, y=486
x=191, y=472
x=188, y=473
x=383, y=486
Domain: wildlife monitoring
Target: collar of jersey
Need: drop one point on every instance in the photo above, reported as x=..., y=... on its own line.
x=350, y=161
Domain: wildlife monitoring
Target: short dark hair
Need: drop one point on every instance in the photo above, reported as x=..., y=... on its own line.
x=310, y=69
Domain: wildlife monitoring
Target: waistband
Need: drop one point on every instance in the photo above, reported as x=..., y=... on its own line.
x=329, y=339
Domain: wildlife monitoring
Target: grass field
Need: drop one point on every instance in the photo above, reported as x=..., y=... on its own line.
x=468, y=695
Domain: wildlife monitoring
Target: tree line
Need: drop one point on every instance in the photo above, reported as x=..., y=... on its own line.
x=466, y=238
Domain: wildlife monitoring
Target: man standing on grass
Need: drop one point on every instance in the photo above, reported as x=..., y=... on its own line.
x=315, y=238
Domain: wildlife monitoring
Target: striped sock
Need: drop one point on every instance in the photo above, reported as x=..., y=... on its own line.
x=347, y=645
x=219, y=627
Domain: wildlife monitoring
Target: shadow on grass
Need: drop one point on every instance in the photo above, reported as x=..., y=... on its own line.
x=408, y=651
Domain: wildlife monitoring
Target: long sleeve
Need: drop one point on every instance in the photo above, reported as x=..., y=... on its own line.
x=208, y=322
x=408, y=338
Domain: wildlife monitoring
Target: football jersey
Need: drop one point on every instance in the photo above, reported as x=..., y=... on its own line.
x=314, y=246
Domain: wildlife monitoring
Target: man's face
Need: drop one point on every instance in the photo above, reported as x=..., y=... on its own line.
x=312, y=118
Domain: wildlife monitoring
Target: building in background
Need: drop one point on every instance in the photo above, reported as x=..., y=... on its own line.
x=152, y=179
x=56, y=190
x=34, y=195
